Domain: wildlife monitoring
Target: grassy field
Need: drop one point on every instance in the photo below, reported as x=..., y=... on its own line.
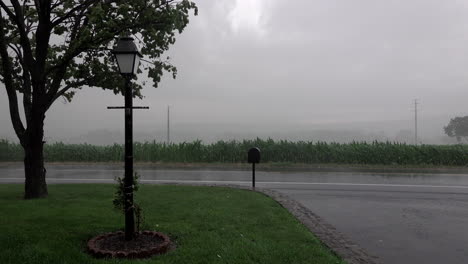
x=376, y=153
x=208, y=225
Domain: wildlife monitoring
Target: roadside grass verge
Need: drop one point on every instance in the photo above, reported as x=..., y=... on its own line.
x=207, y=224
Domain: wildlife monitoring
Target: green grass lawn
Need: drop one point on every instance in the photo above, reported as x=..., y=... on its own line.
x=208, y=225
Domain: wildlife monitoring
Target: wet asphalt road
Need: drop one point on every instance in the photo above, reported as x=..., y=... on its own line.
x=401, y=218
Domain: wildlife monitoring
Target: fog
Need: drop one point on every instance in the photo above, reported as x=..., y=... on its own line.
x=334, y=70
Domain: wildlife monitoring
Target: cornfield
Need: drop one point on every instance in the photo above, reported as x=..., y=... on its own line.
x=385, y=153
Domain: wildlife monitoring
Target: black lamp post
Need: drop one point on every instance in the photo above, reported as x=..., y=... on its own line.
x=128, y=58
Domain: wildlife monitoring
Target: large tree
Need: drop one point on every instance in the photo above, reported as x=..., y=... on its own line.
x=457, y=127
x=51, y=48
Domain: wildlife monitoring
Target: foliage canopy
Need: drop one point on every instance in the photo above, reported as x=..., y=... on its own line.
x=51, y=48
x=77, y=36
x=457, y=127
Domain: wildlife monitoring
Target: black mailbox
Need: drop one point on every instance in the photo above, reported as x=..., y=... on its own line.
x=254, y=155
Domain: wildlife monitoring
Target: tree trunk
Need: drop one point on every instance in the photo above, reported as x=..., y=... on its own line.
x=35, y=184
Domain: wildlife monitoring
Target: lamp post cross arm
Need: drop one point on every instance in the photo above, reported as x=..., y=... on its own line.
x=123, y=107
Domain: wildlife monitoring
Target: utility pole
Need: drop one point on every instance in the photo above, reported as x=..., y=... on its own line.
x=168, y=126
x=416, y=121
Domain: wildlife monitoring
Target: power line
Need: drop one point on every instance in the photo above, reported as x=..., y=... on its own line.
x=415, y=121
x=168, y=126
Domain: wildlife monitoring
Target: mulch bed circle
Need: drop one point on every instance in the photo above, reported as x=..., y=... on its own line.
x=144, y=245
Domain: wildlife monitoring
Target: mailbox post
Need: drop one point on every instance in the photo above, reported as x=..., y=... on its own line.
x=253, y=157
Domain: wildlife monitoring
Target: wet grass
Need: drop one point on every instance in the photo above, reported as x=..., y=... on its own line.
x=208, y=225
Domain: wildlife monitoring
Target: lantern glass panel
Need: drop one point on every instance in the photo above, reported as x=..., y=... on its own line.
x=125, y=62
x=137, y=61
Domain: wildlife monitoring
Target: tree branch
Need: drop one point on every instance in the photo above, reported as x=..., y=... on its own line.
x=61, y=67
x=8, y=11
x=9, y=85
x=17, y=51
x=66, y=89
x=56, y=4
x=43, y=33
x=70, y=13
x=24, y=39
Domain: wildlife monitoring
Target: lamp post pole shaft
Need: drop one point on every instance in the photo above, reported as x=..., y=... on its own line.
x=128, y=180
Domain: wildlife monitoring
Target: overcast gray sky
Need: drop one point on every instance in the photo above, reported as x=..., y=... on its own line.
x=296, y=62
